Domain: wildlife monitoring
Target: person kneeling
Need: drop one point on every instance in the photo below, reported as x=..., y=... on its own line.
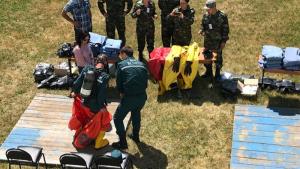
x=90, y=117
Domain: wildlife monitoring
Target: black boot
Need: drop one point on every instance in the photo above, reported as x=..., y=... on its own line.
x=122, y=144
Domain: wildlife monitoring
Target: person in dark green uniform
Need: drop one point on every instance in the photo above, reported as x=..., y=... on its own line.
x=182, y=19
x=144, y=11
x=166, y=7
x=132, y=81
x=115, y=17
x=215, y=29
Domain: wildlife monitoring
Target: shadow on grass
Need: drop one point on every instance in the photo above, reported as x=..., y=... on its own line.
x=199, y=94
x=280, y=101
x=150, y=158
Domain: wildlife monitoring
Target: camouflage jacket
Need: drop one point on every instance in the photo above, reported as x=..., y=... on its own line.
x=215, y=29
x=147, y=13
x=182, y=26
x=114, y=7
x=166, y=6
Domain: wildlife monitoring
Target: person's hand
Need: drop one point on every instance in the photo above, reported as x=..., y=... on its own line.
x=200, y=32
x=155, y=16
x=181, y=15
x=105, y=15
x=76, y=24
x=72, y=95
x=125, y=13
x=173, y=12
x=138, y=12
x=222, y=46
x=121, y=95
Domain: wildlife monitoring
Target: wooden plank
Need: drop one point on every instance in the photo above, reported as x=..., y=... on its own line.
x=251, y=166
x=263, y=162
x=265, y=127
x=284, y=158
x=268, y=134
x=269, y=114
x=267, y=120
x=243, y=145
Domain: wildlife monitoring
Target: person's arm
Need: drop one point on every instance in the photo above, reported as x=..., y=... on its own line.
x=119, y=80
x=78, y=83
x=189, y=18
x=67, y=17
x=101, y=7
x=129, y=6
x=136, y=11
x=225, y=31
x=91, y=56
x=102, y=89
x=161, y=4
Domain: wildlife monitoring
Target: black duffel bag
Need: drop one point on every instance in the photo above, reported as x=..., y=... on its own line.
x=65, y=50
x=42, y=71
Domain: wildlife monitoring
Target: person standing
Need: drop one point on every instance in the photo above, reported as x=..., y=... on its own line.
x=215, y=29
x=132, y=81
x=144, y=11
x=82, y=16
x=83, y=52
x=166, y=7
x=182, y=19
x=115, y=17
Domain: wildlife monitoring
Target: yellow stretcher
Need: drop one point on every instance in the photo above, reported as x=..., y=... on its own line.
x=186, y=53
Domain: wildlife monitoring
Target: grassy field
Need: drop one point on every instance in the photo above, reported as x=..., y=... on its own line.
x=175, y=133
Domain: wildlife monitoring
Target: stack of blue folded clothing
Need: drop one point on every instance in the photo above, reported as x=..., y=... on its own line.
x=272, y=57
x=112, y=48
x=96, y=43
x=291, y=59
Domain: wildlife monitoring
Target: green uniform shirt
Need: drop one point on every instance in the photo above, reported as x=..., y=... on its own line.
x=166, y=6
x=97, y=99
x=132, y=77
x=147, y=13
x=215, y=28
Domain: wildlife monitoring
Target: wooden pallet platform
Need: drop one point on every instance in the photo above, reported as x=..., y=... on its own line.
x=45, y=124
x=265, y=138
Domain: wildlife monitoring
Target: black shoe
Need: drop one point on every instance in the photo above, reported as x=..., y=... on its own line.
x=118, y=145
x=135, y=139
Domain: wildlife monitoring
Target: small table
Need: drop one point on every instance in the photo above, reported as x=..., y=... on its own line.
x=281, y=71
x=207, y=61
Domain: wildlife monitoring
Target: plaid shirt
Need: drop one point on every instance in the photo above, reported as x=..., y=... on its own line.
x=80, y=12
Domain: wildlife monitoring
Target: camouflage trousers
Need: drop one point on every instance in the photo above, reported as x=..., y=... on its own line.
x=116, y=22
x=166, y=32
x=145, y=33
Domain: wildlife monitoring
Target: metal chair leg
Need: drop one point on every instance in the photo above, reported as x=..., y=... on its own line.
x=44, y=160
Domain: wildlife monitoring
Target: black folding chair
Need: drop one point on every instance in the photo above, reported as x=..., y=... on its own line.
x=108, y=162
x=76, y=160
x=25, y=155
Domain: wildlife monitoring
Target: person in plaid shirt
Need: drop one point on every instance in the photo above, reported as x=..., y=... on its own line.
x=82, y=16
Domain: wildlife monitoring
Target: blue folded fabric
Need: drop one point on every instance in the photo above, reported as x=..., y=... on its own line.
x=96, y=38
x=112, y=45
x=270, y=52
x=291, y=57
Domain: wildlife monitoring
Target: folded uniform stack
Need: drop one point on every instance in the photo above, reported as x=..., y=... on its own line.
x=112, y=48
x=272, y=57
x=291, y=59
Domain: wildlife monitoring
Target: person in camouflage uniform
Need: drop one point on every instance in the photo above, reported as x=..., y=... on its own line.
x=215, y=29
x=182, y=19
x=115, y=17
x=144, y=11
x=166, y=7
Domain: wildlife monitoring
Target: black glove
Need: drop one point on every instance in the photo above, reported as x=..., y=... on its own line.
x=188, y=68
x=176, y=64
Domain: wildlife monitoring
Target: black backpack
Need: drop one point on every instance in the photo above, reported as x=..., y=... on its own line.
x=42, y=71
x=65, y=50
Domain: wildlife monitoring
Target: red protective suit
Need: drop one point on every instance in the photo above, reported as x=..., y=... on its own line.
x=87, y=124
x=157, y=61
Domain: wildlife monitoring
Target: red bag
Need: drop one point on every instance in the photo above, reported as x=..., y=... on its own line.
x=157, y=61
x=87, y=124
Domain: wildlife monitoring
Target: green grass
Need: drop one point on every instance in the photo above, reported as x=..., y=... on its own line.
x=177, y=134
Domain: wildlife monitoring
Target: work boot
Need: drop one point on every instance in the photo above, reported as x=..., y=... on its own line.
x=135, y=138
x=100, y=142
x=121, y=145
